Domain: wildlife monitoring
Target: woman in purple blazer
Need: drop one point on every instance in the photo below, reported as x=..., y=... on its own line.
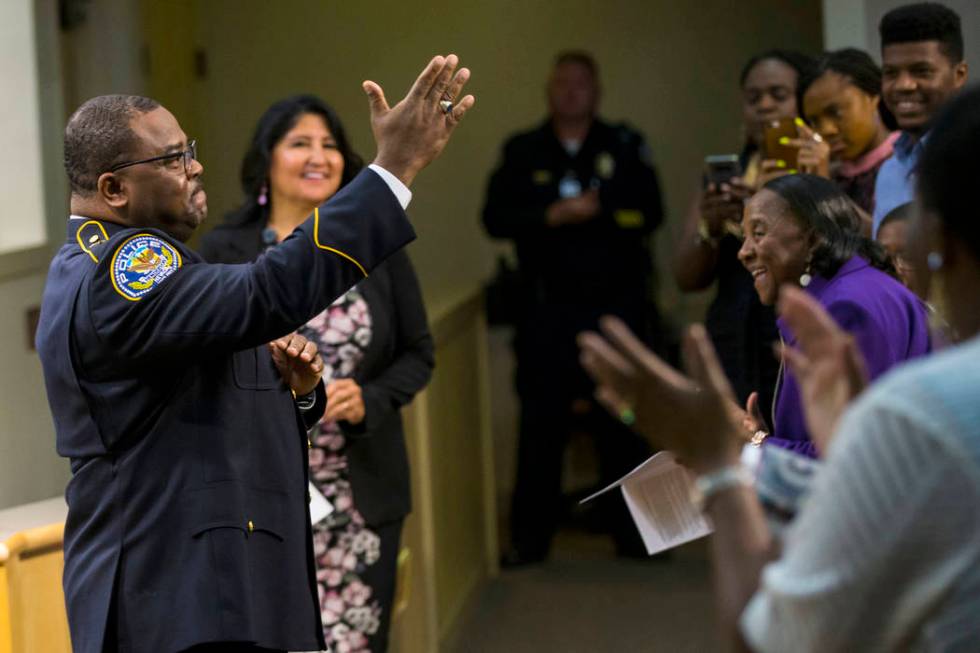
x=801, y=229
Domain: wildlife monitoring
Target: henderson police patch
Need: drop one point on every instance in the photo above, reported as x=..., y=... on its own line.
x=140, y=263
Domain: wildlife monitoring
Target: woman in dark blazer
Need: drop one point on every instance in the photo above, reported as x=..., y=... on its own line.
x=378, y=354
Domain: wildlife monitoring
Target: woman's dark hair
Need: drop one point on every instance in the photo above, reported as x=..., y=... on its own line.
x=802, y=63
x=858, y=67
x=831, y=215
x=272, y=126
x=949, y=168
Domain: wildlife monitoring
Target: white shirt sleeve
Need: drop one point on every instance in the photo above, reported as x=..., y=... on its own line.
x=401, y=191
x=890, y=527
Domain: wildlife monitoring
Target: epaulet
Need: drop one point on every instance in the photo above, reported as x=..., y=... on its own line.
x=90, y=236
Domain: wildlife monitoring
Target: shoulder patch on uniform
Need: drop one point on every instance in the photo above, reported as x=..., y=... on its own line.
x=140, y=263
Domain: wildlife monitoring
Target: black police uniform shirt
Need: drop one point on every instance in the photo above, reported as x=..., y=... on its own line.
x=187, y=507
x=587, y=263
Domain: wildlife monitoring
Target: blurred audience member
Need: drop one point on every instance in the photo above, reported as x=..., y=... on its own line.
x=893, y=237
x=883, y=555
x=922, y=68
x=579, y=197
x=741, y=328
x=802, y=230
x=378, y=354
x=842, y=102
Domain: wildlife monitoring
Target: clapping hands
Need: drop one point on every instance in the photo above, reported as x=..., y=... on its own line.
x=688, y=415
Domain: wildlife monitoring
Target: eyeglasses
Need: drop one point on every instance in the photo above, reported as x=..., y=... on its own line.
x=189, y=155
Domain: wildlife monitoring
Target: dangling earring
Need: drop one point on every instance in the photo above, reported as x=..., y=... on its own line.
x=937, y=302
x=263, y=196
x=806, y=277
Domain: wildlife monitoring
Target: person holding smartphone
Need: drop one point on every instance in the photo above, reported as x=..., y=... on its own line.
x=741, y=328
x=847, y=138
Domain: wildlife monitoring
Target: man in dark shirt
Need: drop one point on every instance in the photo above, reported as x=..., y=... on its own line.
x=579, y=198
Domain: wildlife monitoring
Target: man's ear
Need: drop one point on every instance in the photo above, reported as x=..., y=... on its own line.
x=113, y=190
x=961, y=72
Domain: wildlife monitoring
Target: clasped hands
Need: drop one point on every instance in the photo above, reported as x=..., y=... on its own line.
x=692, y=415
x=574, y=210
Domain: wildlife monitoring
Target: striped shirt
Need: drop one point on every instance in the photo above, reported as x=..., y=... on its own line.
x=885, y=554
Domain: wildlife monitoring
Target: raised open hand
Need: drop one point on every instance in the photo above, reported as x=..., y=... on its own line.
x=828, y=365
x=411, y=134
x=688, y=416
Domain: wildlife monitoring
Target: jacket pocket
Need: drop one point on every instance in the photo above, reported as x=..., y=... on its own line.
x=231, y=506
x=254, y=370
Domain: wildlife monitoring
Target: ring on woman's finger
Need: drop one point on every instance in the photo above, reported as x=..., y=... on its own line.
x=627, y=416
x=446, y=105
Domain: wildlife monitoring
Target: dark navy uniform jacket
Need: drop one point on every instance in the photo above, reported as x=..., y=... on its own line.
x=188, y=500
x=572, y=274
x=585, y=263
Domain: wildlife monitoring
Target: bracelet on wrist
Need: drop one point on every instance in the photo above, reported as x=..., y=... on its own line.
x=713, y=483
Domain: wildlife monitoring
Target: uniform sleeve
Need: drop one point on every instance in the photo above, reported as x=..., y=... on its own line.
x=890, y=526
x=411, y=367
x=213, y=247
x=184, y=309
x=511, y=208
x=632, y=197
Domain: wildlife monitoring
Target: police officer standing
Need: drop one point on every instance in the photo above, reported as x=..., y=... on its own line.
x=579, y=198
x=188, y=525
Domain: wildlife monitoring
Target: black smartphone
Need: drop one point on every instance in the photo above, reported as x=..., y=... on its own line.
x=720, y=168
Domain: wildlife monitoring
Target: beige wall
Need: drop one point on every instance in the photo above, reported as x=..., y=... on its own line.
x=854, y=23
x=29, y=468
x=669, y=68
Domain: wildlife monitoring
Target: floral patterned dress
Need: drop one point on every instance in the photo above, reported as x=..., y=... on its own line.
x=344, y=546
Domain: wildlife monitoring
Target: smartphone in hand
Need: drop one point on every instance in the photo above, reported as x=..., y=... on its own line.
x=781, y=130
x=720, y=168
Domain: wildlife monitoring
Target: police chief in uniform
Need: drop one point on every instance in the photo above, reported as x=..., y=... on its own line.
x=579, y=198
x=188, y=526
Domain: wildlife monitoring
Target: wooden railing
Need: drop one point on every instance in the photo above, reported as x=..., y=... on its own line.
x=452, y=531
